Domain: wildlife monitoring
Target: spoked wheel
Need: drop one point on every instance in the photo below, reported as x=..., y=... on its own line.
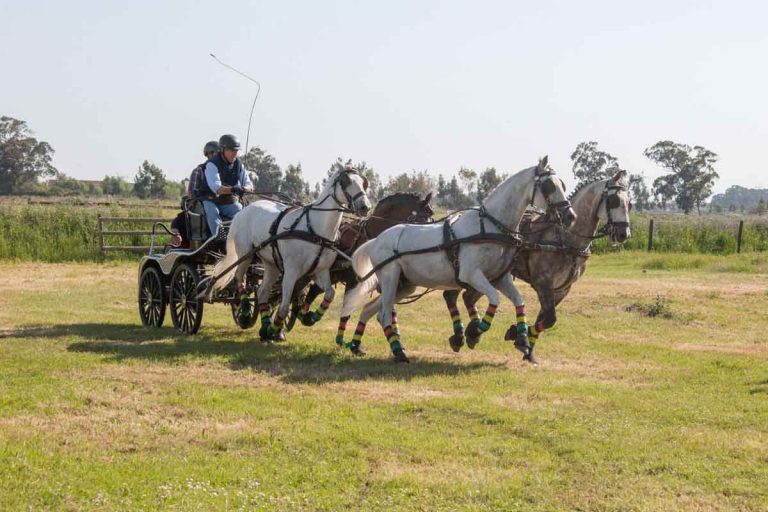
x=151, y=298
x=186, y=309
x=245, y=313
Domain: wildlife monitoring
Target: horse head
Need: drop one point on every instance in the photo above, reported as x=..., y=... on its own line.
x=615, y=214
x=350, y=188
x=552, y=197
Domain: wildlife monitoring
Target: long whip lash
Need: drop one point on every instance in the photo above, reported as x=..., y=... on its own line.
x=253, y=105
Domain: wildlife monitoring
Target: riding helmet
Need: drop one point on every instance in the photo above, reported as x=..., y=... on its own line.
x=229, y=142
x=211, y=147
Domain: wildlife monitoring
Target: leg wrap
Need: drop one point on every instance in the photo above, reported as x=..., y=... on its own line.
x=473, y=314
x=276, y=325
x=266, y=321
x=458, y=327
x=342, y=328
x=393, y=338
x=487, y=320
x=522, y=321
x=395, y=327
x=321, y=309
x=358, y=336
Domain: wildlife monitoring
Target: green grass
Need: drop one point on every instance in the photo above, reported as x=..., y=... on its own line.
x=626, y=412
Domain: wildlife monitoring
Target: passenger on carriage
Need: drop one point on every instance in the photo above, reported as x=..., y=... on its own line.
x=209, y=151
x=224, y=180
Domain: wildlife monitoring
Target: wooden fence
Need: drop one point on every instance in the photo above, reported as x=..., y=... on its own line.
x=103, y=247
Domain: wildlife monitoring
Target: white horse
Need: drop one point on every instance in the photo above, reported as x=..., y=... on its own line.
x=482, y=264
x=294, y=242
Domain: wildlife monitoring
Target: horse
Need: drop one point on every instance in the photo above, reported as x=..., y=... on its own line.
x=292, y=241
x=390, y=211
x=552, y=269
x=473, y=249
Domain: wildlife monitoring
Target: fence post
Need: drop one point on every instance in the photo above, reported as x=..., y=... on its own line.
x=101, y=234
x=738, y=240
x=650, y=236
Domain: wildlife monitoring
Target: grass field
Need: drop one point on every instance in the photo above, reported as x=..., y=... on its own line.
x=626, y=412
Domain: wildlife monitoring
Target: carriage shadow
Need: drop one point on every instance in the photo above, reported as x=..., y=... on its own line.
x=293, y=363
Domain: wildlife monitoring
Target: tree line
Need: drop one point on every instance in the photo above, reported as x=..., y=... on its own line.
x=25, y=161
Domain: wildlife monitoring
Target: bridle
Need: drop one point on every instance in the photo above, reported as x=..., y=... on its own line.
x=547, y=189
x=344, y=180
x=610, y=197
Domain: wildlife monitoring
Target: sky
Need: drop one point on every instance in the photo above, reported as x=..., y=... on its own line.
x=402, y=85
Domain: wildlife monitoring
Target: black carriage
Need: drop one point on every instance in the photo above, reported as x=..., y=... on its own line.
x=169, y=277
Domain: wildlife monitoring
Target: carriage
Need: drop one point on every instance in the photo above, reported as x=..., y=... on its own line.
x=169, y=276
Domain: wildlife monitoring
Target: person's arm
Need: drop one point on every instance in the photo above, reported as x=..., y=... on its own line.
x=214, y=181
x=245, y=181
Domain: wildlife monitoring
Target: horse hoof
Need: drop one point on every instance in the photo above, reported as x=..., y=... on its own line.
x=456, y=342
x=472, y=342
x=278, y=336
x=473, y=329
x=511, y=333
x=307, y=319
x=400, y=356
x=522, y=344
x=359, y=352
x=529, y=357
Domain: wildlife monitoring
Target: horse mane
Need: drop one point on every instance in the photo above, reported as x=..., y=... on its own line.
x=399, y=196
x=581, y=186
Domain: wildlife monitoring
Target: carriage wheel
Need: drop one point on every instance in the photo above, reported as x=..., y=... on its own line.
x=186, y=309
x=245, y=319
x=151, y=298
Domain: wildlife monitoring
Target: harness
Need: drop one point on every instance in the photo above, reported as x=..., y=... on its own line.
x=452, y=244
x=309, y=235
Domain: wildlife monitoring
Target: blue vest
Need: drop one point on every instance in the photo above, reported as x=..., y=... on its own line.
x=230, y=176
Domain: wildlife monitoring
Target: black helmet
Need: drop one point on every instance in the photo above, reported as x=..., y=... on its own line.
x=229, y=142
x=211, y=147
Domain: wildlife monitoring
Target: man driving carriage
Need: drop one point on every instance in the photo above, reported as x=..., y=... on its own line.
x=224, y=180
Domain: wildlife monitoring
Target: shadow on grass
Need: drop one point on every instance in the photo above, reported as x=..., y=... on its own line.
x=291, y=362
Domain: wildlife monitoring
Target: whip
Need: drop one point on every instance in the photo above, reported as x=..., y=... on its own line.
x=253, y=105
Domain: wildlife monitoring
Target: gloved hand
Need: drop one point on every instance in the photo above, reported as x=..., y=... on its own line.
x=238, y=190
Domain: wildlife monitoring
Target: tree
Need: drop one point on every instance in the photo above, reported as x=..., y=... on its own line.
x=115, y=185
x=421, y=183
x=639, y=192
x=149, y=182
x=23, y=159
x=692, y=176
x=468, y=178
x=663, y=191
x=761, y=207
x=265, y=173
x=294, y=184
x=66, y=186
x=487, y=181
x=591, y=164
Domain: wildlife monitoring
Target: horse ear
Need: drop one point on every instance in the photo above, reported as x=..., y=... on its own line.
x=543, y=162
x=619, y=176
x=427, y=199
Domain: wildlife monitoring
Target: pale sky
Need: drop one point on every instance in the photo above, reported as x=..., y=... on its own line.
x=403, y=85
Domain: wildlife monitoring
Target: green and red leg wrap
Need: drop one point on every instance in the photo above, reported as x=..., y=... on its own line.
x=487, y=320
x=522, y=321
x=458, y=327
x=393, y=338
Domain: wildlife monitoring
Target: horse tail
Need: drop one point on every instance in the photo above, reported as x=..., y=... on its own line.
x=362, y=265
x=223, y=279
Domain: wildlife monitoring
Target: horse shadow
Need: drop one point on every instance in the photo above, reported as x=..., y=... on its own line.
x=289, y=362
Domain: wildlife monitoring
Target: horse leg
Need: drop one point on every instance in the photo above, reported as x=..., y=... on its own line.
x=456, y=340
x=545, y=320
x=470, y=298
x=368, y=311
x=304, y=315
x=518, y=331
x=271, y=274
x=323, y=281
x=290, y=276
x=389, y=278
x=479, y=282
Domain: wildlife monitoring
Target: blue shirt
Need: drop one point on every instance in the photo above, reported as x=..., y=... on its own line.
x=214, y=181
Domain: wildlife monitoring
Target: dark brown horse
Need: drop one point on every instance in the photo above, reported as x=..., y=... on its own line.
x=390, y=211
x=556, y=257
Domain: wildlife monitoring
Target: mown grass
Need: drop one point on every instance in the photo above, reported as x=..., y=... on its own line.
x=626, y=412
